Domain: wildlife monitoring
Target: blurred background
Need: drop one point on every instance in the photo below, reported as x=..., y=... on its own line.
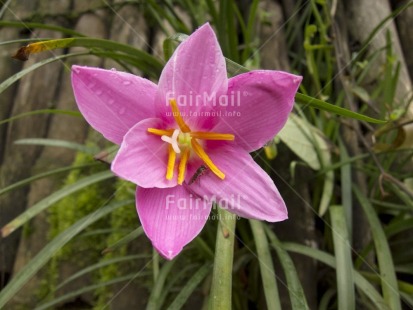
x=71, y=238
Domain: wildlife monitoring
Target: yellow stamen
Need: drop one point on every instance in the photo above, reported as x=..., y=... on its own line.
x=161, y=132
x=212, y=136
x=171, y=163
x=201, y=153
x=182, y=166
x=178, y=117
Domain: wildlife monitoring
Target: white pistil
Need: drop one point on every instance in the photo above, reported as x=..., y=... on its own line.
x=173, y=140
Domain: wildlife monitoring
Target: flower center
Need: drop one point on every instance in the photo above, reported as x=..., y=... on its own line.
x=182, y=141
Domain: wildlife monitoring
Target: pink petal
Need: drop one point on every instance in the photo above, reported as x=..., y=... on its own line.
x=259, y=103
x=112, y=102
x=246, y=190
x=171, y=217
x=195, y=76
x=143, y=157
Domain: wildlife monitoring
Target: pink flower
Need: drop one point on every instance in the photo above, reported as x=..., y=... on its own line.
x=186, y=141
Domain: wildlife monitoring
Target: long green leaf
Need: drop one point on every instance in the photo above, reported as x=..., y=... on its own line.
x=173, y=282
x=43, y=175
x=125, y=240
x=100, y=265
x=268, y=275
x=233, y=68
x=344, y=265
x=322, y=105
x=387, y=273
x=250, y=27
x=89, y=288
x=153, y=303
x=346, y=193
x=50, y=249
x=329, y=260
x=14, y=78
x=191, y=285
x=58, y=143
x=43, y=111
x=295, y=289
x=168, y=44
x=19, y=41
x=95, y=44
x=51, y=199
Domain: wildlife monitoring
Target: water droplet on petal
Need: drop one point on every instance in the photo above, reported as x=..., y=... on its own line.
x=126, y=82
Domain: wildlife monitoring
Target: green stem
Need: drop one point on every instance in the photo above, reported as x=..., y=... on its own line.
x=266, y=265
x=221, y=289
x=155, y=257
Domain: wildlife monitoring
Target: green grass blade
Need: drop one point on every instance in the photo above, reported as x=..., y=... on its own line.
x=89, y=288
x=159, y=285
x=168, y=44
x=250, y=28
x=99, y=265
x=231, y=33
x=233, y=69
x=103, y=48
x=325, y=300
x=346, y=193
x=43, y=111
x=58, y=143
x=329, y=260
x=213, y=11
x=125, y=240
x=268, y=275
x=188, y=289
x=43, y=175
x=51, y=199
x=322, y=105
x=94, y=44
x=14, y=78
x=397, y=226
x=174, y=282
x=19, y=41
x=385, y=261
x=378, y=28
x=344, y=264
x=295, y=289
x=50, y=249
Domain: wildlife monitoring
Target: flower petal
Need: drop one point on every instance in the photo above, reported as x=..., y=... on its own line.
x=112, y=102
x=246, y=190
x=259, y=103
x=171, y=217
x=195, y=76
x=143, y=157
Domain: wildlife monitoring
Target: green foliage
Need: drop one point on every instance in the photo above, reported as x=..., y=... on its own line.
x=316, y=133
x=67, y=211
x=122, y=220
